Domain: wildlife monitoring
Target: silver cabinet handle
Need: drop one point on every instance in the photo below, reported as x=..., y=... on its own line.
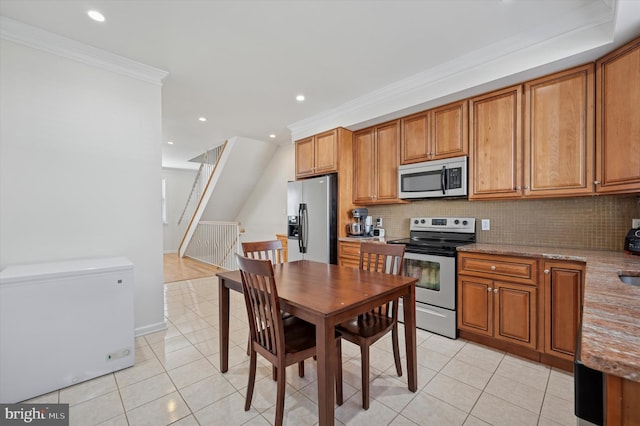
x=495, y=290
x=518, y=188
x=493, y=268
x=489, y=289
x=546, y=271
x=596, y=182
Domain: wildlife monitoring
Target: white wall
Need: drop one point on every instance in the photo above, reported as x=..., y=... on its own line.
x=264, y=214
x=178, y=186
x=80, y=162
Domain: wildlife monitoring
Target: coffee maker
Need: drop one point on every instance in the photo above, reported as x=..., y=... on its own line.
x=361, y=226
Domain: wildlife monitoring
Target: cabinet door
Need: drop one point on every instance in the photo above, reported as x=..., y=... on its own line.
x=495, y=144
x=326, y=152
x=415, y=138
x=449, y=131
x=562, y=302
x=305, y=157
x=559, y=133
x=618, y=120
x=387, y=161
x=514, y=311
x=475, y=305
x=363, y=166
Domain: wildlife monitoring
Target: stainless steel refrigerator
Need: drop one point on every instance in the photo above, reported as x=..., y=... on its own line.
x=312, y=219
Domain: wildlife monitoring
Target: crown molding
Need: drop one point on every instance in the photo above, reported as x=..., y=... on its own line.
x=553, y=40
x=38, y=38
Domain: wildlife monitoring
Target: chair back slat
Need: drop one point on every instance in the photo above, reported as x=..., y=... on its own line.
x=263, y=305
x=385, y=258
x=378, y=257
x=271, y=250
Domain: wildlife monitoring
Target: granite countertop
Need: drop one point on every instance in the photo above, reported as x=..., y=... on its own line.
x=611, y=314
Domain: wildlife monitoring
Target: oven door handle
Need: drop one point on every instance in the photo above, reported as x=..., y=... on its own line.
x=443, y=180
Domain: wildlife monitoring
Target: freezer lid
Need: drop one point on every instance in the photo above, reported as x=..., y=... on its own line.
x=39, y=271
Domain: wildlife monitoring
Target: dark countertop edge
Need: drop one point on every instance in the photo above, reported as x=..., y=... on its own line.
x=602, y=269
x=385, y=239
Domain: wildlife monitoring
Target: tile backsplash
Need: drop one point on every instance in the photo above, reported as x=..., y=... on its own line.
x=599, y=222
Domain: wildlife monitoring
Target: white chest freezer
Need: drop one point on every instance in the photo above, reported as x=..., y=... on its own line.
x=63, y=323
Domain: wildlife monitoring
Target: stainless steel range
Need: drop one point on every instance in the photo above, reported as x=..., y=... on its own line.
x=430, y=256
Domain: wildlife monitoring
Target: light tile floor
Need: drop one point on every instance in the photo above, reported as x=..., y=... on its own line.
x=176, y=380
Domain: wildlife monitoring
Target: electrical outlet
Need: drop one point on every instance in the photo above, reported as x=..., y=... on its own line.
x=635, y=223
x=486, y=225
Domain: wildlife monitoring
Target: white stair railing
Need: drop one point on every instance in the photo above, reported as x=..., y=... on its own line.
x=216, y=243
x=200, y=183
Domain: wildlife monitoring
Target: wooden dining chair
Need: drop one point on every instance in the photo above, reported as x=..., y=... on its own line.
x=282, y=342
x=370, y=327
x=271, y=250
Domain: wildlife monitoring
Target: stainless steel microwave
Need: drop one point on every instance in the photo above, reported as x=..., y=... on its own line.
x=431, y=179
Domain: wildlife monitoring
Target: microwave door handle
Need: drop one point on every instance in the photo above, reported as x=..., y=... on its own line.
x=443, y=180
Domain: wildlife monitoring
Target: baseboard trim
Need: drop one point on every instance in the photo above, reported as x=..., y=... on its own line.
x=151, y=328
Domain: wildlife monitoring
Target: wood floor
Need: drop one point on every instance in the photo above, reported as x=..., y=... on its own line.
x=180, y=269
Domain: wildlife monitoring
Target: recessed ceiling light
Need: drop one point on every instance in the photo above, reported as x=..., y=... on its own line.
x=300, y=98
x=170, y=142
x=202, y=119
x=272, y=136
x=95, y=15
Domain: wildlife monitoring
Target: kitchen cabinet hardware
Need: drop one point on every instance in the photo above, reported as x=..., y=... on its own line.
x=546, y=271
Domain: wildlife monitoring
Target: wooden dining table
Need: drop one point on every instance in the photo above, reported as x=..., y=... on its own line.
x=326, y=295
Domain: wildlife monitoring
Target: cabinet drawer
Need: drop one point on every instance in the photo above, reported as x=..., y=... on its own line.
x=351, y=250
x=348, y=261
x=518, y=269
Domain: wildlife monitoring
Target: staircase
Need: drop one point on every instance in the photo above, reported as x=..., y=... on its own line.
x=225, y=180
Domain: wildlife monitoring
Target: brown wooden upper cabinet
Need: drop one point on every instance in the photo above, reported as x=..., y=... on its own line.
x=559, y=133
x=618, y=120
x=495, y=144
x=437, y=133
x=554, y=156
x=376, y=157
x=318, y=154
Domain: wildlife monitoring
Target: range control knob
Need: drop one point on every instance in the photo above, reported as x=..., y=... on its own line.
x=464, y=222
x=423, y=221
x=416, y=221
x=456, y=221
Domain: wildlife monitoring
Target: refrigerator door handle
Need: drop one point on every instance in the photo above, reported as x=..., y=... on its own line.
x=302, y=213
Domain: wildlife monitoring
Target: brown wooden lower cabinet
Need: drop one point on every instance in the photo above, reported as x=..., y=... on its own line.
x=285, y=246
x=349, y=253
x=622, y=401
x=504, y=311
x=527, y=306
x=562, y=307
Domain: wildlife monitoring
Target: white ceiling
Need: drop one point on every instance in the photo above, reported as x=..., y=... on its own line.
x=241, y=63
